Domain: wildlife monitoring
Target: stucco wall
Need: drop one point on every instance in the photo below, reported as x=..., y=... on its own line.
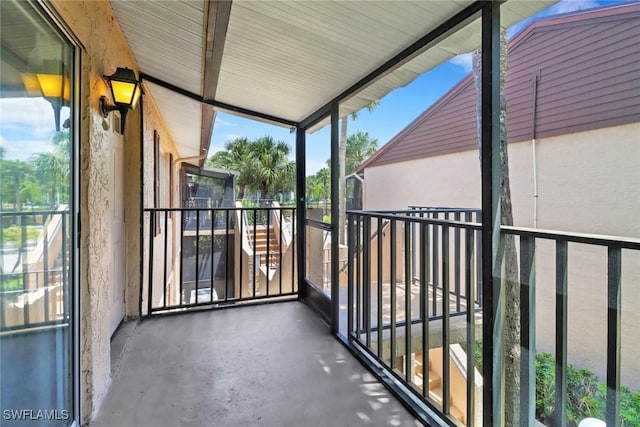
x=587, y=182
x=153, y=122
x=104, y=48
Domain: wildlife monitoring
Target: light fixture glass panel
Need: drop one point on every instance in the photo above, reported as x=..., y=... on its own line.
x=53, y=86
x=123, y=92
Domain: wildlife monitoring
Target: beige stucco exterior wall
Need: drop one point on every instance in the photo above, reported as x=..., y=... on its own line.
x=153, y=122
x=587, y=182
x=104, y=48
x=451, y=180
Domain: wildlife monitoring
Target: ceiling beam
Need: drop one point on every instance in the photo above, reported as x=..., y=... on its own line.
x=219, y=105
x=216, y=24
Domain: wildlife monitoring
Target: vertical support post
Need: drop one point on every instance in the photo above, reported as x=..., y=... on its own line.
x=335, y=218
x=493, y=399
x=614, y=312
x=301, y=209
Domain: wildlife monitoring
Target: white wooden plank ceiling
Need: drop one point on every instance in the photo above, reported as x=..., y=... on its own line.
x=288, y=58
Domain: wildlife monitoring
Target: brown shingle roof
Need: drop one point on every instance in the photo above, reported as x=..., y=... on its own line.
x=589, y=78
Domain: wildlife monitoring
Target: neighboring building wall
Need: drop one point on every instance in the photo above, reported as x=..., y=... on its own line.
x=587, y=182
x=105, y=49
x=449, y=180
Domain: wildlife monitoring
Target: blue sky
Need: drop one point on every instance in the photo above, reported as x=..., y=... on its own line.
x=26, y=125
x=396, y=110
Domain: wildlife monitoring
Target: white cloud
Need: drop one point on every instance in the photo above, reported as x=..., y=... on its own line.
x=222, y=122
x=27, y=126
x=566, y=6
x=232, y=136
x=464, y=60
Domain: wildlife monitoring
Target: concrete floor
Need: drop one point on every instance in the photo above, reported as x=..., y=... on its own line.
x=269, y=365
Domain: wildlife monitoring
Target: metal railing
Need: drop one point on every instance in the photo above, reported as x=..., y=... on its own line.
x=411, y=274
x=534, y=250
x=396, y=315
x=213, y=257
x=34, y=273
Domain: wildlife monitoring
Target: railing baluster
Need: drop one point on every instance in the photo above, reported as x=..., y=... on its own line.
x=181, y=251
x=211, y=254
x=66, y=286
x=294, y=255
x=456, y=262
x=268, y=263
x=240, y=251
x=424, y=302
x=152, y=228
x=25, y=269
x=227, y=263
x=614, y=312
x=392, y=286
x=256, y=268
x=351, y=235
x=471, y=325
x=379, y=292
x=407, y=301
x=358, y=283
x=197, y=285
x=527, y=331
x=366, y=279
x=435, y=268
x=281, y=225
x=446, y=301
x=560, y=415
x=164, y=269
x=45, y=269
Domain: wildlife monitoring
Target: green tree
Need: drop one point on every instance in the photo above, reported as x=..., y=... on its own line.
x=319, y=186
x=263, y=165
x=53, y=168
x=271, y=168
x=236, y=157
x=360, y=146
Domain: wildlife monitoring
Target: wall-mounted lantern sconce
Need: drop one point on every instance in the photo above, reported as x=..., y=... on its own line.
x=125, y=92
x=52, y=83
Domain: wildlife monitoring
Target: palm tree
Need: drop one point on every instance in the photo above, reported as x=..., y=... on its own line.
x=342, y=157
x=360, y=146
x=511, y=285
x=270, y=165
x=235, y=157
x=53, y=169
